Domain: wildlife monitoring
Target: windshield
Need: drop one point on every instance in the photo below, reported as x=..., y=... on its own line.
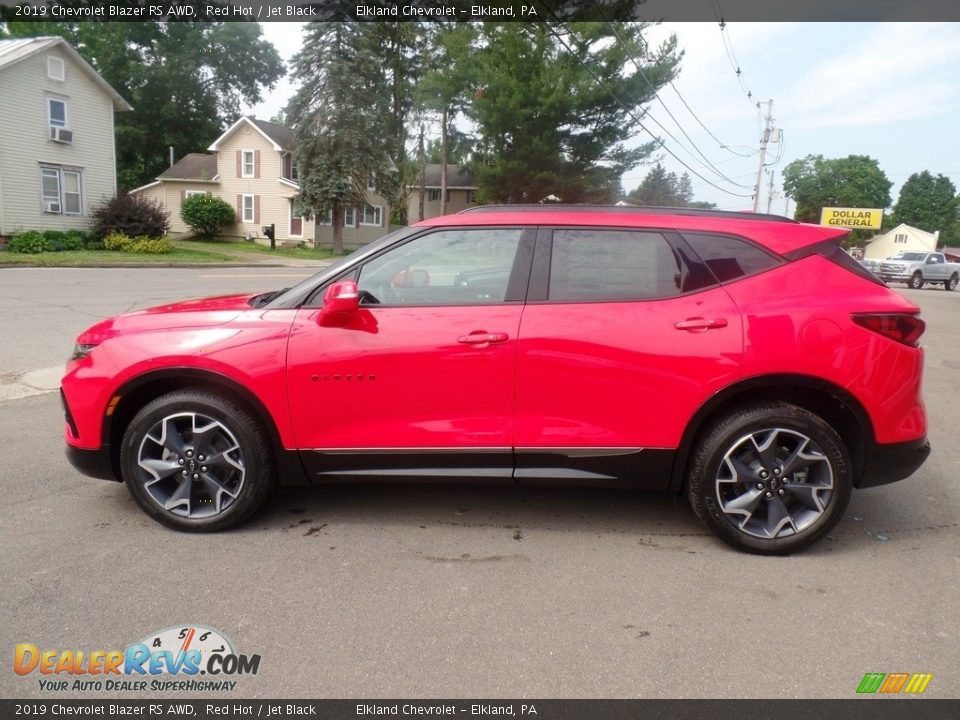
x=293, y=296
x=912, y=256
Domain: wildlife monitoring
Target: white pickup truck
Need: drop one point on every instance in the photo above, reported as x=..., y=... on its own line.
x=917, y=268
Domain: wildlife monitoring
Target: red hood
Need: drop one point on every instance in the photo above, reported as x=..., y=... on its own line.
x=203, y=312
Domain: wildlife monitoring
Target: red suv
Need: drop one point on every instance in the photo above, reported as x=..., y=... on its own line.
x=743, y=359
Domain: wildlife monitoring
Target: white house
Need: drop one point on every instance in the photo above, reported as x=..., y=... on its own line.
x=57, y=152
x=902, y=238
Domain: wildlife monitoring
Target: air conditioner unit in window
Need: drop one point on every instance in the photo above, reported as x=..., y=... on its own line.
x=59, y=134
x=51, y=206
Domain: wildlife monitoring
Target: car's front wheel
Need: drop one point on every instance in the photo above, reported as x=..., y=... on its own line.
x=770, y=479
x=916, y=280
x=196, y=461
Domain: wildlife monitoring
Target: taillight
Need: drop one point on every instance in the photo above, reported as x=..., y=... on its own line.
x=901, y=327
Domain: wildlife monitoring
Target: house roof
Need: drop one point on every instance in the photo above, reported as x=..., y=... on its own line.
x=902, y=228
x=457, y=179
x=280, y=137
x=194, y=166
x=13, y=51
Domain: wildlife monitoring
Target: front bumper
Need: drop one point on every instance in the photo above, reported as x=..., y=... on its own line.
x=894, y=277
x=889, y=463
x=95, y=463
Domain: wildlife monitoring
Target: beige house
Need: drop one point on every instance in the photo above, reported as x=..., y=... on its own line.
x=461, y=192
x=902, y=238
x=57, y=153
x=251, y=167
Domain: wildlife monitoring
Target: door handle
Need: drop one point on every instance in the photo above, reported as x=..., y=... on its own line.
x=482, y=338
x=699, y=324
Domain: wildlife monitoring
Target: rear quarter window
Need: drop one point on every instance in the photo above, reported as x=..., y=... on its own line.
x=730, y=258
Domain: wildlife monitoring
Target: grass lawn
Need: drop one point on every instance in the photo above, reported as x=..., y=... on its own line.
x=235, y=248
x=80, y=258
x=185, y=251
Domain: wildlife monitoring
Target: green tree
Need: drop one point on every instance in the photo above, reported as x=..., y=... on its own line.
x=662, y=188
x=444, y=90
x=399, y=47
x=342, y=118
x=854, y=181
x=186, y=82
x=555, y=105
x=931, y=204
x=207, y=215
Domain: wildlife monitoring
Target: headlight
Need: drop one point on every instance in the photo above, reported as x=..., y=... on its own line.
x=81, y=351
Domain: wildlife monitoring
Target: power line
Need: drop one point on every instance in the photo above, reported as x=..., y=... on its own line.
x=630, y=112
x=719, y=142
x=639, y=68
x=731, y=53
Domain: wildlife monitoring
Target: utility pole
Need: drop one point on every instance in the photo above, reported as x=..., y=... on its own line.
x=770, y=191
x=764, y=140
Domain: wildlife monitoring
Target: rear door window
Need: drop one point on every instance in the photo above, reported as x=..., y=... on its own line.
x=596, y=265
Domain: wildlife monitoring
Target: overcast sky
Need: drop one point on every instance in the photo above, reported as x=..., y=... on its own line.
x=890, y=91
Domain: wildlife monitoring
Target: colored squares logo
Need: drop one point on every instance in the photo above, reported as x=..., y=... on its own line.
x=893, y=683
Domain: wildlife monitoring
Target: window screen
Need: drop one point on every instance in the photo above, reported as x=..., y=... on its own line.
x=730, y=258
x=612, y=265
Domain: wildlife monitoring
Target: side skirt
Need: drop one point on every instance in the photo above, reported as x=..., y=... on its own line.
x=644, y=468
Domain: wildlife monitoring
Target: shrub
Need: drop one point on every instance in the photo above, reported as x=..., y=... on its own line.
x=54, y=240
x=207, y=215
x=132, y=215
x=149, y=246
x=29, y=241
x=75, y=240
x=117, y=241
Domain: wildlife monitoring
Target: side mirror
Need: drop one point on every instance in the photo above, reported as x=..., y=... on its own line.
x=340, y=299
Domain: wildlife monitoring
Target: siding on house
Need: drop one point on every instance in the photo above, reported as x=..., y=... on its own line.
x=460, y=190
x=458, y=200
x=903, y=238
x=274, y=196
x=357, y=234
x=25, y=144
x=171, y=194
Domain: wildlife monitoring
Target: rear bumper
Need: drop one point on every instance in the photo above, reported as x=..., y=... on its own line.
x=95, y=463
x=889, y=463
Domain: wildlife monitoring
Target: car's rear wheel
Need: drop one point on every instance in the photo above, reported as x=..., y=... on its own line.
x=951, y=283
x=916, y=280
x=196, y=461
x=770, y=479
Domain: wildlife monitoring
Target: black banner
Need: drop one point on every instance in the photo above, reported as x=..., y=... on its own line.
x=858, y=709
x=478, y=10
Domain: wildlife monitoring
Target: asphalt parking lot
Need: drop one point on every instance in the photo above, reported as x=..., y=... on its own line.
x=446, y=591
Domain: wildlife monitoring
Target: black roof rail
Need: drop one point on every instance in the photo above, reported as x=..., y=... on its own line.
x=628, y=210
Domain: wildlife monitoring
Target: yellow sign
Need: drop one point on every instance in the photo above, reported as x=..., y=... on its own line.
x=857, y=218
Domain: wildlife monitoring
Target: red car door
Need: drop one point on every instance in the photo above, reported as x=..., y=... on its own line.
x=420, y=380
x=624, y=336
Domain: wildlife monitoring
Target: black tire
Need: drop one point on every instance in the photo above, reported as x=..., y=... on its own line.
x=916, y=280
x=732, y=502
x=220, y=495
x=951, y=283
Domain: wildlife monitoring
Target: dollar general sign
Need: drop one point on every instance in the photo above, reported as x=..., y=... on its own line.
x=858, y=218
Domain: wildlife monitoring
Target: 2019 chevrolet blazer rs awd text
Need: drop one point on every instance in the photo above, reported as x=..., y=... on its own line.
x=745, y=360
